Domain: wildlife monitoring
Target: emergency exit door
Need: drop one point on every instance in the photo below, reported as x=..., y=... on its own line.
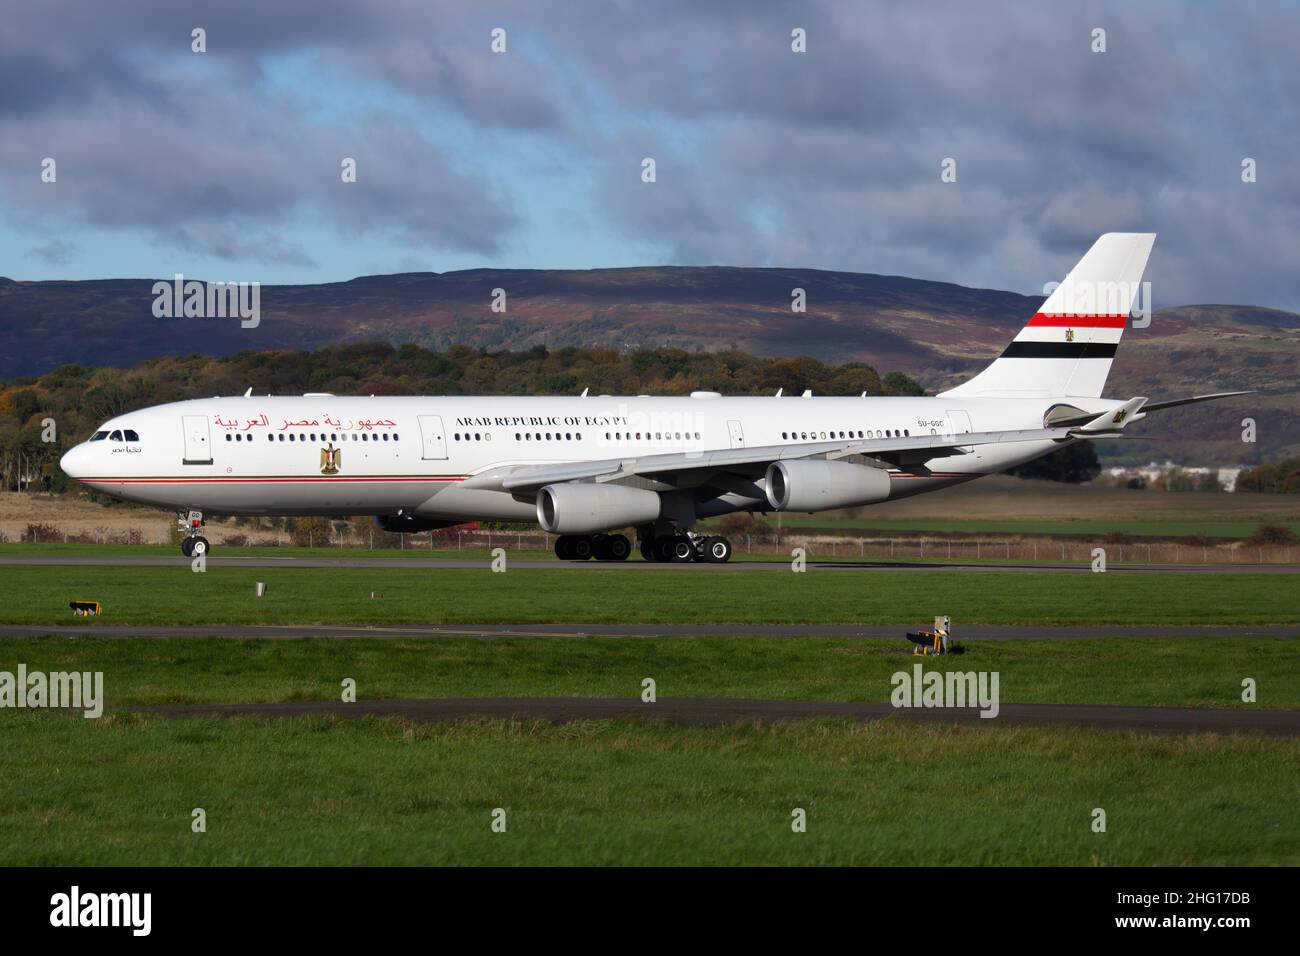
x=737, y=434
x=198, y=440
x=432, y=436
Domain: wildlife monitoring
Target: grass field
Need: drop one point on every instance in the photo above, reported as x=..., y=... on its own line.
x=177, y=595
x=318, y=790
x=323, y=791
x=1157, y=671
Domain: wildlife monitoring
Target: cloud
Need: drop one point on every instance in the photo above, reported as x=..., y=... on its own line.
x=828, y=158
x=219, y=167
x=232, y=244
x=56, y=252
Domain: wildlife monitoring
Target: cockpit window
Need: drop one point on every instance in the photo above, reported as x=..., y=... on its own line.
x=130, y=435
x=116, y=436
x=99, y=436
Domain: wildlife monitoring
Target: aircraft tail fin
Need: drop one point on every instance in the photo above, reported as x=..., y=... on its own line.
x=1067, y=347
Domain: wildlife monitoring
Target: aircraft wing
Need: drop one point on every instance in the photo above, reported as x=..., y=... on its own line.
x=687, y=468
x=754, y=461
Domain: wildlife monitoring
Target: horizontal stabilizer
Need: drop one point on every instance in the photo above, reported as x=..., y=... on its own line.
x=1156, y=406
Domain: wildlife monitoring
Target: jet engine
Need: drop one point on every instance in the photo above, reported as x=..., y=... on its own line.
x=816, y=485
x=587, y=507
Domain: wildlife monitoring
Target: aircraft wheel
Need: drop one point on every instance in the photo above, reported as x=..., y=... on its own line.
x=681, y=549
x=648, y=549
x=617, y=548
x=198, y=547
x=600, y=547
x=564, y=547
x=187, y=546
x=582, y=547
x=717, y=550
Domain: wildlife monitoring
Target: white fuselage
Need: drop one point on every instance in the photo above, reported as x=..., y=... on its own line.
x=444, y=457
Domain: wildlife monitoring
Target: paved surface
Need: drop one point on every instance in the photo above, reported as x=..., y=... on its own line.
x=973, y=632
x=699, y=711
x=224, y=559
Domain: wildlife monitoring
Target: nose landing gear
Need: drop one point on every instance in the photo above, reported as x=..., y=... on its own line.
x=193, y=544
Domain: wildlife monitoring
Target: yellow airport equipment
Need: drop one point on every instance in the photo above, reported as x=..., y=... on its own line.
x=932, y=642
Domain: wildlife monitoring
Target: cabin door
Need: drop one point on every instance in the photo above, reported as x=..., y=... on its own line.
x=198, y=441
x=432, y=436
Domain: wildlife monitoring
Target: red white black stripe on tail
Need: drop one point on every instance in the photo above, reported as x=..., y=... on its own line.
x=1067, y=347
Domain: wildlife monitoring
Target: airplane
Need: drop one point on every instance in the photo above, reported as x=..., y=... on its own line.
x=586, y=467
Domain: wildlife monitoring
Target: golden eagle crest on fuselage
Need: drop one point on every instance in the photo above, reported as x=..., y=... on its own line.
x=331, y=459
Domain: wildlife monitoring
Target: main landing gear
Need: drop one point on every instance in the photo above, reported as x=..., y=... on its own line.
x=602, y=547
x=193, y=544
x=684, y=546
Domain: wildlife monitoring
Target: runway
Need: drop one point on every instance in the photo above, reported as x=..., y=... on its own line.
x=971, y=632
x=722, y=711
x=219, y=559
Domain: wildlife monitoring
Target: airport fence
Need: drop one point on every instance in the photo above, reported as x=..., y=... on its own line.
x=929, y=548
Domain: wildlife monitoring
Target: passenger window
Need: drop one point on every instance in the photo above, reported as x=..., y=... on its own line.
x=229, y=437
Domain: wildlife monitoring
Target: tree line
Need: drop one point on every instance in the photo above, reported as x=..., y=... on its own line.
x=75, y=399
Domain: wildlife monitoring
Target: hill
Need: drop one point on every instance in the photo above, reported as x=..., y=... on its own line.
x=934, y=331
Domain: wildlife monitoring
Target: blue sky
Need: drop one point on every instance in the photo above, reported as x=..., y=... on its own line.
x=226, y=164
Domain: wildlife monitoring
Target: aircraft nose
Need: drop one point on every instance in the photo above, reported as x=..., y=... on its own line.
x=73, y=461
